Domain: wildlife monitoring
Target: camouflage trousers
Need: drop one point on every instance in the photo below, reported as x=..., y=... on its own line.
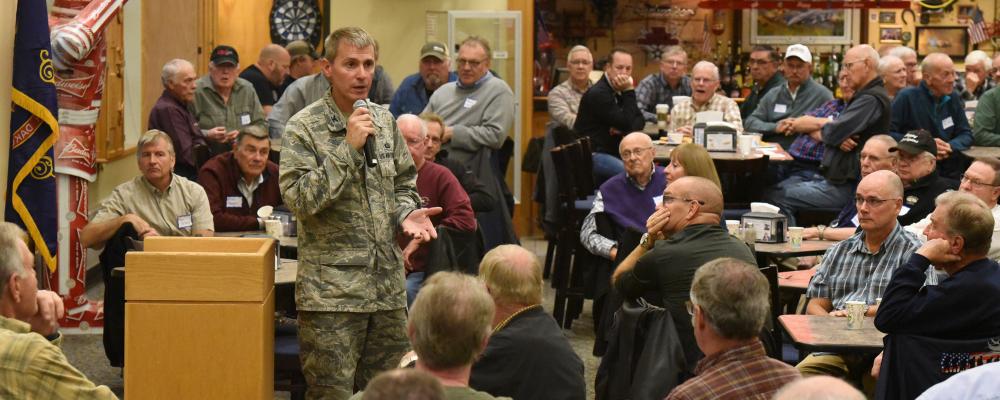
x=341, y=351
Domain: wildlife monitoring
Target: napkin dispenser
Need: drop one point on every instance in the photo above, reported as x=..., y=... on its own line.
x=720, y=136
x=768, y=227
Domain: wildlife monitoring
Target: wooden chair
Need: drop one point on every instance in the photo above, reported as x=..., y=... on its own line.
x=743, y=181
x=568, y=260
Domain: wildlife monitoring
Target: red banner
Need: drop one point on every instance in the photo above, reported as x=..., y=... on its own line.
x=801, y=5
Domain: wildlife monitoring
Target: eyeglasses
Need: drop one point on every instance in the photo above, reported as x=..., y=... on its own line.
x=872, y=201
x=966, y=178
x=627, y=154
x=847, y=65
x=667, y=199
x=581, y=62
x=702, y=80
x=471, y=63
x=673, y=63
x=690, y=307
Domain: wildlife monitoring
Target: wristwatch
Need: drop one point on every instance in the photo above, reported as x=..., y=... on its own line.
x=645, y=243
x=821, y=229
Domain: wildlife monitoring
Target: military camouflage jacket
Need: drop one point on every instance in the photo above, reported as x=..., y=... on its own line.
x=349, y=213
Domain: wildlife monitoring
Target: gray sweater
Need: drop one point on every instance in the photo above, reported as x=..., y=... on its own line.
x=778, y=104
x=480, y=115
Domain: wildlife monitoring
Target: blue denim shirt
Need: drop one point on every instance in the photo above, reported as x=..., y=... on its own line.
x=411, y=97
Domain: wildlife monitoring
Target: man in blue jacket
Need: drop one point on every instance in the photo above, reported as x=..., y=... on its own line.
x=936, y=106
x=416, y=89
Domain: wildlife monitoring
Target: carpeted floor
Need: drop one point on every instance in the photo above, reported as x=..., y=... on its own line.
x=86, y=352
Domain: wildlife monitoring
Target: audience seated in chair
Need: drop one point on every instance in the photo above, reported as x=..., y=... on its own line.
x=33, y=366
x=449, y=326
x=564, y=98
x=729, y=305
x=527, y=356
x=240, y=182
x=859, y=268
x=683, y=233
x=170, y=114
x=156, y=203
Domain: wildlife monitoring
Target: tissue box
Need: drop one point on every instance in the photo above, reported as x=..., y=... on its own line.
x=715, y=135
x=769, y=227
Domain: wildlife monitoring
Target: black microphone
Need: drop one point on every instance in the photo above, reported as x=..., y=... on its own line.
x=370, y=159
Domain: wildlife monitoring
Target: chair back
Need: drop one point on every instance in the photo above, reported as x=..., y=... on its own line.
x=772, y=342
x=743, y=181
x=911, y=364
x=201, y=154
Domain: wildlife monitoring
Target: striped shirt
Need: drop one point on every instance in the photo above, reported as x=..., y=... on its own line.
x=564, y=102
x=850, y=272
x=33, y=368
x=744, y=372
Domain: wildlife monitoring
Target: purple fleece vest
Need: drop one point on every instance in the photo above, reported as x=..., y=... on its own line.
x=628, y=206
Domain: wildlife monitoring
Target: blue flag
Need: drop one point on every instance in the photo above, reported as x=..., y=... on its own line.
x=31, y=185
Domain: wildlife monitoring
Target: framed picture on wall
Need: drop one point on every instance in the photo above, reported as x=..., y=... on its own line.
x=887, y=17
x=890, y=34
x=948, y=40
x=787, y=26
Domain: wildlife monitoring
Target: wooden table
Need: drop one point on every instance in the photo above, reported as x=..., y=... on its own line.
x=982, y=152
x=775, y=153
x=767, y=251
x=830, y=334
x=289, y=244
x=796, y=280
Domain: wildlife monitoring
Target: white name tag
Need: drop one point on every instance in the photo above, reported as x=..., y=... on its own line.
x=469, y=103
x=657, y=200
x=780, y=108
x=234, y=202
x=184, y=221
x=245, y=119
x=947, y=123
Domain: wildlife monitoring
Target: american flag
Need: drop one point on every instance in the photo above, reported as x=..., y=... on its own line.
x=706, y=38
x=977, y=27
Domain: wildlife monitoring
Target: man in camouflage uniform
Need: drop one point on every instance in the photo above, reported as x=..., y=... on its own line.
x=350, y=286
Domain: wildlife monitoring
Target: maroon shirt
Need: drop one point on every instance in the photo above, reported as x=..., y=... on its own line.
x=219, y=176
x=172, y=116
x=437, y=187
x=744, y=372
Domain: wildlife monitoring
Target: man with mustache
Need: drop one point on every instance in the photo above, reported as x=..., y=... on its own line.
x=240, y=182
x=416, y=89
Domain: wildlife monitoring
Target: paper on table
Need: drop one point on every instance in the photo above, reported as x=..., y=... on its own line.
x=708, y=116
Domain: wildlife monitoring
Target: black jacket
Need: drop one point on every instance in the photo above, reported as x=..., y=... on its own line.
x=602, y=109
x=920, y=196
x=866, y=115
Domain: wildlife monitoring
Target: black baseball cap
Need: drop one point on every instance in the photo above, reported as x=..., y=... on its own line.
x=916, y=142
x=224, y=54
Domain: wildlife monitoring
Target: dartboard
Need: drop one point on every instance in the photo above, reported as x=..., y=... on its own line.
x=295, y=20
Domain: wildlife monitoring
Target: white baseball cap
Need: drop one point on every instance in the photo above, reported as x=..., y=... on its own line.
x=800, y=51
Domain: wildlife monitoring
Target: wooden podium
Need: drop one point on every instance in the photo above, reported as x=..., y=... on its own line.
x=199, y=319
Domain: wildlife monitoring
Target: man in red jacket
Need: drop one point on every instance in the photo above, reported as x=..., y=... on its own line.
x=437, y=187
x=240, y=182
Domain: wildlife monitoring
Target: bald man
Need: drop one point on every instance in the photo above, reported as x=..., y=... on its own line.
x=819, y=388
x=268, y=74
x=527, y=357
x=627, y=199
x=683, y=233
x=437, y=187
x=937, y=107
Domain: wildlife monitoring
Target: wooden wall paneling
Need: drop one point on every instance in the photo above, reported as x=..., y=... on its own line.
x=245, y=25
x=524, y=212
x=110, y=135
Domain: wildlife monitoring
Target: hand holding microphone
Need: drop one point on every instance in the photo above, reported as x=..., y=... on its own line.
x=361, y=130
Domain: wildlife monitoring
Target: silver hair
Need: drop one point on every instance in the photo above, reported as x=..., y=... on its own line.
x=151, y=136
x=888, y=141
x=576, y=49
x=672, y=50
x=902, y=52
x=706, y=64
x=733, y=297
x=979, y=56
x=10, y=256
x=171, y=68
x=885, y=62
x=413, y=119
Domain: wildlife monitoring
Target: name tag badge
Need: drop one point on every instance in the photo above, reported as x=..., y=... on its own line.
x=855, y=220
x=245, y=119
x=657, y=201
x=780, y=108
x=184, y=221
x=234, y=202
x=947, y=123
x=469, y=103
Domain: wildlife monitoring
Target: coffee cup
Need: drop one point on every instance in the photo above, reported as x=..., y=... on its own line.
x=855, y=314
x=795, y=236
